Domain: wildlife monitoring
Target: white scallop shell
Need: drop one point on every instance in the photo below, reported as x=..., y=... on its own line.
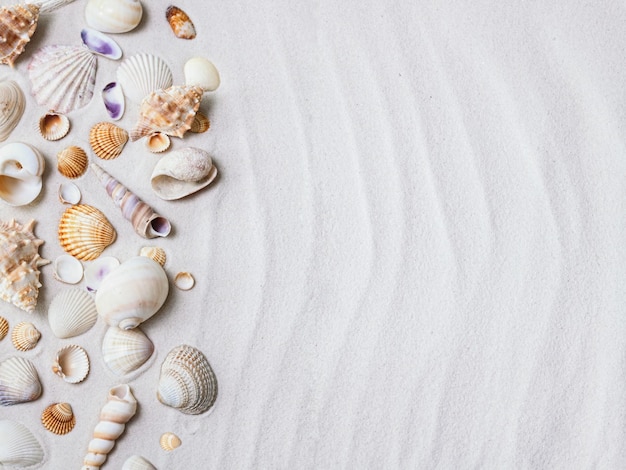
x=142, y=74
x=68, y=269
x=12, y=104
x=18, y=446
x=113, y=16
x=182, y=172
x=98, y=270
x=136, y=462
x=72, y=364
x=201, y=72
x=62, y=77
x=69, y=193
x=19, y=381
x=72, y=312
x=21, y=170
x=124, y=351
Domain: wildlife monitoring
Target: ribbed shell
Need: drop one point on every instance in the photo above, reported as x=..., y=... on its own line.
x=136, y=462
x=124, y=351
x=72, y=162
x=84, y=232
x=58, y=418
x=142, y=74
x=54, y=126
x=18, y=446
x=19, y=381
x=154, y=252
x=25, y=336
x=17, y=25
x=158, y=142
x=187, y=381
x=72, y=364
x=72, y=312
x=181, y=24
x=4, y=327
x=200, y=123
x=12, y=104
x=62, y=77
x=169, y=441
x=107, y=140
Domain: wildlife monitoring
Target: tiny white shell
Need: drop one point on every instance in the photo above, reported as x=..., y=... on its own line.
x=18, y=446
x=98, y=270
x=72, y=312
x=158, y=142
x=201, y=72
x=54, y=126
x=154, y=252
x=69, y=193
x=136, y=462
x=68, y=269
x=72, y=364
x=184, y=280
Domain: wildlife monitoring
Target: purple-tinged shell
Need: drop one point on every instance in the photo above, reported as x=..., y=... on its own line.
x=113, y=98
x=101, y=44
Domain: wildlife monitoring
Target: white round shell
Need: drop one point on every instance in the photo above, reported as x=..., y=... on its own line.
x=201, y=72
x=72, y=312
x=68, y=269
x=69, y=193
x=184, y=280
x=113, y=16
x=124, y=351
x=136, y=462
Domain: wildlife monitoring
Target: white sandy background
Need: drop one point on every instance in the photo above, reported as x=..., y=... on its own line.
x=413, y=256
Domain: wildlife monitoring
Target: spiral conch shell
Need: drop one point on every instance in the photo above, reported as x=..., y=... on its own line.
x=182, y=172
x=121, y=406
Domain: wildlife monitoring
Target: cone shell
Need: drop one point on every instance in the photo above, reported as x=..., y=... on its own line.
x=107, y=140
x=187, y=381
x=25, y=336
x=125, y=351
x=200, y=123
x=142, y=74
x=17, y=25
x=12, y=104
x=58, y=418
x=19, y=381
x=18, y=446
x=84, y=232
x=72, y=312
x=54, y=126
x=72, y=364
x=4, y=327
x=72, y=162
x=169, y=441
x=180, y=23
x=154, y=252
x=136, y=462
x=158, y=142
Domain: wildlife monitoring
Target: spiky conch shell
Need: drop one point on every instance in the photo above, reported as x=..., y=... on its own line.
x=84, y=232
x=58, y=418
x=19, y=264
x=17, y=25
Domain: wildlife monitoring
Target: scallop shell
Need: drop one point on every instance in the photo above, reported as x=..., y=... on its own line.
x=113, y=16
x=187, y=381
x=136, y=462
x=25, y=336
x=200, y=123
x=17, y=25
x=21, y=170
x=181, y=24
x=142, y=74
x=98, y=270
x=158, y=142
x=154, y=252
x=72, y=312
x=107, y=140
x=184, y=280
x=101, y=44
x=19, y=382
x=170, y=111
x=113, y=99
x=12, y=104
x=169, y=441
x=72, y=364
x=84, y=232
x=125, y=351
x=58, y=418
x=182, y=172
x=72, y=162
x=201, y=72
x=4, y=327
x=62, y=77
x=69, y=193
x=54, y=126
x=18, y=446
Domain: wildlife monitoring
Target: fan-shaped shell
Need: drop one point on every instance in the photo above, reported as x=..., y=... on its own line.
x=107, y=140
x=18, y=446
x=21, y=170
x=84, y=232
x=113, y=16
x=72, y=364
x=17, y=25
x=62, y=77
x=200, y=123
x=72, y=162
x=124, y=351
x=19, y=381
x=142, y=74
x=54, y=126
x=182, y=172
x=12, y=104
x=58, y=418
x=68, y=269
x=72, y=312
x=158, y=142
x=4, y=327
x=169, y=441
x=154, y=252
x=187, y=381
x=179, y=21
x=136, y=462
x=25, y=336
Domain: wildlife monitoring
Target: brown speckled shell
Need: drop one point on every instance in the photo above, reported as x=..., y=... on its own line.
x=181, y=24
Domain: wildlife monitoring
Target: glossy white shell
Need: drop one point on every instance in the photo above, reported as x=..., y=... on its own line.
x=142, y=74
x=69, y=193
x=18, y=446
x=72, y=364
x=68, y=269
x=19, y=381
x=12, y=104
x=136, y=462
x=21, y=170
x=124, y=351
x=201, y=72
x=113, y=16
x=182, y=172
x=72, y=312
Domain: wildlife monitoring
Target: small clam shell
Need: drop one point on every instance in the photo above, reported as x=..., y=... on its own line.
x=4, y=327
x=200, y=123
x=98, y=270
x=12, y=104
x=72, y=364
x=158, y=142
x=154, y=252
x=58, y=418
x=125, y=351
x=69, y=193
x=113, y=99
x=25, y=336
x=72, y=162
x=113, y=16
x=107, y=140
x=142, y=74
x=68, y=269
x=19, y=381
x=100, y=44
x=54, y=126
x=19, y=448
x=184, y=280
x=182, y=172
x=84, y=232
x=180, y=23
x=72, y=312
x=136, y=462
x=201, y=72
x=169, y=441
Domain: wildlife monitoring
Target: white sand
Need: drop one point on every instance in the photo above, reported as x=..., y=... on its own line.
x=414, y=254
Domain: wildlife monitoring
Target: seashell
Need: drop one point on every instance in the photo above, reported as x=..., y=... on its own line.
x=72, y=364
x=200, y=123
x=62, y=77
x=19, y=382
x=98, y=270
x=69, y=193
x=169, y=441
x=107, y=140
x=182, y=172
x=184, y=280
x=136, y=462
x=68, y=269
x=158, y=142
x=84, y=232
x=17, y=25
x=4, y=327
x=201, y=72
x=18, y=446
x=25, y=336
x=180, y=23
x=132, y=293
x=154, y=252
x=100, y=44
x=72, y=162
x=113, y=16
x=124, y=351
x=170, y=111
x=187, y=381
x=58, y=418
x=53, y=126
x=145, y=221
x=113, y=99
x=21, y=170
x=12, y=104
x=121, y=406
x=72, y=312
x=142, y=74
x=19, y=264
